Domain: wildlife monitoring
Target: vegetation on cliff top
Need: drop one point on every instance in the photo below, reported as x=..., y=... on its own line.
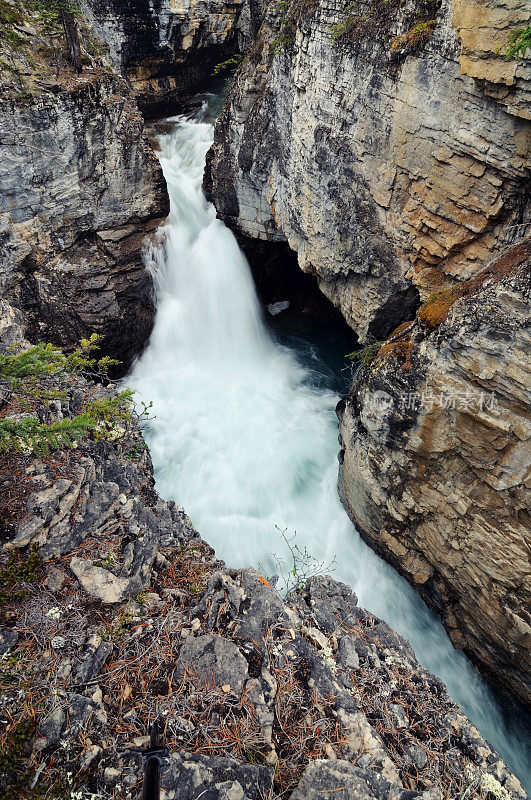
x=292, y=13
x=380, y=19
x=44, y=42
x=39, y=376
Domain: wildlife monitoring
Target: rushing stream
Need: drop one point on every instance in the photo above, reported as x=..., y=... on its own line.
x=245, y=434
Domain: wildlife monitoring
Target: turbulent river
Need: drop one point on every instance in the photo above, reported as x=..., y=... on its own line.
x=245, y=435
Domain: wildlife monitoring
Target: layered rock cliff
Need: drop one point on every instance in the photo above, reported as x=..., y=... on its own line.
x=387, y=143
x=435, y=437
x=167, y=48
x=114, y=613
x=80, y=190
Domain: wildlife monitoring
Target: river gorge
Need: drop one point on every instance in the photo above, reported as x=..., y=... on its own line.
x=192, y=546
x=244, y=429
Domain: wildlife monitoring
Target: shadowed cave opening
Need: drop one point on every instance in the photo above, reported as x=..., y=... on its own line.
x=278, y=278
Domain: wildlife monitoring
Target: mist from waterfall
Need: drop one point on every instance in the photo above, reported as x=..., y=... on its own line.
x=245, y=438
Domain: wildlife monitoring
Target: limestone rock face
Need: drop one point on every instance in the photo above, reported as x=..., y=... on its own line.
x=483, y=30
x=167, y=47
x=80, y=191
x=389, y=161
x=435, y=466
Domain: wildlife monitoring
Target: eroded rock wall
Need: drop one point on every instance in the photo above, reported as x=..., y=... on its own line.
x=435, y=465
x=80, y=190
x=392, y=163
x=167, y=47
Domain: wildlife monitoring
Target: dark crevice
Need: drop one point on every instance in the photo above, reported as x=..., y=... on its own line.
x=278, y=277
x=400, y=307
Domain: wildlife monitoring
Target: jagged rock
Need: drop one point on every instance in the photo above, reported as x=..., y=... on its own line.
x=55, y=579
x=347, y=655
x=213, y=660
x=80, y=713
x=322, y=777
x=75, y=217
x=94, y=656
x=252, y=675
x=8, y=640
x=99, y=582
x=111, y=776
x=398, y=716
x=361, y=157
x=49, y=732
x=90, y=756
x=436, y=480
x=221, y=778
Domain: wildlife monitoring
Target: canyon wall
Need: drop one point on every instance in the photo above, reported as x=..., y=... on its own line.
x=392, y=158
x=435, y=469
x=80, y=192
x=166, y=48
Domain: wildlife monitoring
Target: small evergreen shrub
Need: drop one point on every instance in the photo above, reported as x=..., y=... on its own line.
x=230, y=65
x=377, y=19
x=365, y=356
x=519, y=42
x=40, y=374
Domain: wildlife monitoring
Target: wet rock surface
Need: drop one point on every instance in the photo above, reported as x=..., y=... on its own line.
x=256, y=696
x=435, y=460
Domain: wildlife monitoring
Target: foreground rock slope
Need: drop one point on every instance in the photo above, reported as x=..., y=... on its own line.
x=114, y=613
x=387, y=142
x=435, y=438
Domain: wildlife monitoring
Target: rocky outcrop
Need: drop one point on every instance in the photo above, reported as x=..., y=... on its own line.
x=387, y=143
x=81, y=190
x=115, y=613
x=434, y=472
x=483, y=32
x=167, y=48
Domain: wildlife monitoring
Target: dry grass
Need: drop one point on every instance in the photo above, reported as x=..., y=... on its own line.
x=425, y=706
x=401, y=351
x=304, y=728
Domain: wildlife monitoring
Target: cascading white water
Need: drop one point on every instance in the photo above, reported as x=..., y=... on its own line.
x=244, y=441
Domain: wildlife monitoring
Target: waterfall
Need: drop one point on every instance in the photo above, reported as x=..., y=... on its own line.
x=245, y=440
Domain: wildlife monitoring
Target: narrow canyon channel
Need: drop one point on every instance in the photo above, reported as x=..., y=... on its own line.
x=244, y=435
